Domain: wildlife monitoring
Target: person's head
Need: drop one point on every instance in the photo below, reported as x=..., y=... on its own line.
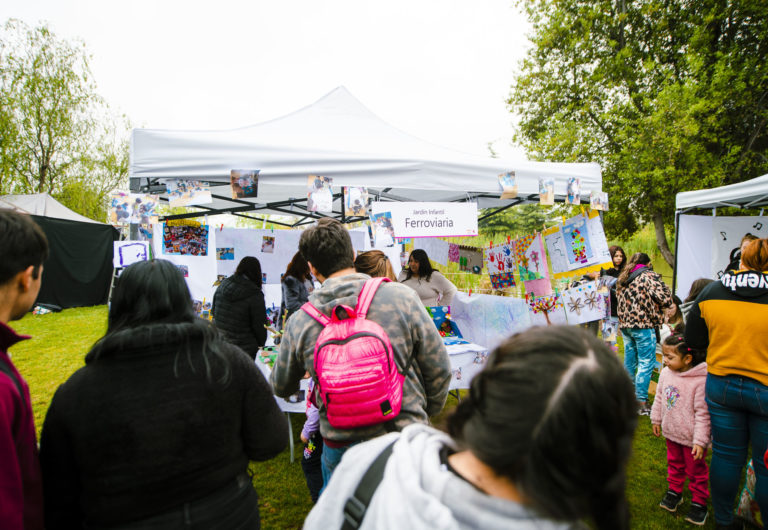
x=375, y=264
x=554, y=412
x=674, y=314
x=697, y=286
x=23, y=249
x=678, y=356
x=419, y=265
x=298, y=268
x=250, y=267
x=746, y=240
x=638, y=258
x=618, y=256
x=755, y=255
x=327, y=247
x=150, y=292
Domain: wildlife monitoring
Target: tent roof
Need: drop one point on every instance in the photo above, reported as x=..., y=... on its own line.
x=748, y=194
x=43, y=205
x=338, y=137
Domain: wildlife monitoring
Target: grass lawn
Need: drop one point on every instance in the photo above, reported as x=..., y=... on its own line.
x=61, y=340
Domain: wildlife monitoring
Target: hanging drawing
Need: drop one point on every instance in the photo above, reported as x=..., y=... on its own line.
x=502, y=280
x=583, y=303
x=546, y=310
x=598, y=200
x=453, y=253
x=500, y=258
x=578, y=245
x=532, y=264
x=577, y=241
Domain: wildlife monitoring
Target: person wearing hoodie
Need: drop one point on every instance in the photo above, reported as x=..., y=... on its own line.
x=680, y=413
x=730, y=320
x=642, y=297
x=238, y=307
x=535, y=444
x=395, y=307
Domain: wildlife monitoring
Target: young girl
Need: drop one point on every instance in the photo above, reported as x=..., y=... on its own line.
x=680, y=412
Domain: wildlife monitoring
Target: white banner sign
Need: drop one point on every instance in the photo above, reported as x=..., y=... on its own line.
x=430, y=219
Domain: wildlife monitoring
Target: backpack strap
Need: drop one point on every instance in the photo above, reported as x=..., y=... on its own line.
x=316, y=314
x=366, y=295
x=357, y=504
x=7, y=371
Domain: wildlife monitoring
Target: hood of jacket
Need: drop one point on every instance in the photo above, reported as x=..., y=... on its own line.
x=700, y=370
x=634, y=274
x=342, y=290
x=238, y=287
x=746, y=283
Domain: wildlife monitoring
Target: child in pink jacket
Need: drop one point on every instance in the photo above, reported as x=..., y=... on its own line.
x=680, y=413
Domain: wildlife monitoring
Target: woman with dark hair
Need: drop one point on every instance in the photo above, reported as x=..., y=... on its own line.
x=541, y=441
x=158, y=427
x=697, y=286
x=642, y=297
x=375, y=264
x=729, y=319
x=296, y=284
x=238, y=307
x=432, y=287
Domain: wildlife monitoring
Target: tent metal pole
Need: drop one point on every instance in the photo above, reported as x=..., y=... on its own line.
x=677, y=246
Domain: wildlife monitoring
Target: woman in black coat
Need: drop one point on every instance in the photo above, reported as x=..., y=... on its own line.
x=158, y=427
x=238, y=307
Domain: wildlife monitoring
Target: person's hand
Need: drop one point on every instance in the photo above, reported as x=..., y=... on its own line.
x=670, y=312
x=304, y=439
x=657, y=430
x=697, y=452
x=593, y=275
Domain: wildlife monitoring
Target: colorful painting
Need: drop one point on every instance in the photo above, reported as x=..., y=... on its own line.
x=268, y=245
x=577, y=241
x=502, y=280
x=546, y=191
x=355, y=201
x=441, y=316
x=189, y=240
x=244, y=182
x=453, y=253
x=532, y=264
x=583, y=303
x=500, y=259
x=546, y=310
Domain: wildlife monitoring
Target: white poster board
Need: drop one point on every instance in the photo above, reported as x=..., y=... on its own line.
x=430, y=219
x=129, y=252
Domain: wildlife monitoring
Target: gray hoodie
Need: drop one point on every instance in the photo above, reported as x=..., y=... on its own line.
x=418, y=491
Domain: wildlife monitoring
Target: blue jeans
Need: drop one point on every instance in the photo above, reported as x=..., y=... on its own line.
x=639, y=358
x=738, y=411
x=330, y=459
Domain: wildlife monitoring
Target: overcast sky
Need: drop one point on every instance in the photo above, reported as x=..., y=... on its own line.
x=438, y=69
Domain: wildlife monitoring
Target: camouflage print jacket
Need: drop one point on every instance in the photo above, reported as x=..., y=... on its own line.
x=411, y=331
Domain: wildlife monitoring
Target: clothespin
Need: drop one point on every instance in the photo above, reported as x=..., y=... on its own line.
x=508, y=239
x=583, y=211
x=563, y=219
x=470, y=292
x=490, y=244
x=221, y=227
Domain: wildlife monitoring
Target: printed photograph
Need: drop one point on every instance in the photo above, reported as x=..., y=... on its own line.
x=508, y=183
x=186, y=192
x=225, y=254
x=319, y=194
x=355, y=201
x=245, y=183
x=546, y=191
x=184, y=270
x=573, y=194
x=598, y=200
x=268, y=244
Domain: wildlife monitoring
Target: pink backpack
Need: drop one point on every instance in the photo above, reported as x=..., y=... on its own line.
x=357, y=376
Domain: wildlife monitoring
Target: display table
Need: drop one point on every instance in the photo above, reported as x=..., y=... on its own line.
x=467, y=360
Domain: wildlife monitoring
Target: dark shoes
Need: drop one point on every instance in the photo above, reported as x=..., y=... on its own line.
x=697, y=514
x=643, y=409
x=671, y=501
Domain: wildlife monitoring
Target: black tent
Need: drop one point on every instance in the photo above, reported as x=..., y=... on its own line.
x=78, y=271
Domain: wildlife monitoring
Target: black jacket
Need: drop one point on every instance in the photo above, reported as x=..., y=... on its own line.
x=142, y=429
x=240, y=314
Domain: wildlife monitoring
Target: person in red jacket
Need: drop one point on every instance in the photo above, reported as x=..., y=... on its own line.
x=24, y=248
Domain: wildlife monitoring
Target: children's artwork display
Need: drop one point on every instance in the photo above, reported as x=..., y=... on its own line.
x=489, y=320
x=578, y=245
x=319, y=194
x=453, y=253
x=546, y=310
x=583, y=303
x=470, y=259
x=355, y=201
x=441, y=316
x=500, y=258
x=573, y=191
x=532, y=264
x=546, y=191
x=244, y=182
x=187, y=192
x=508, y=184
x=598, y=200
x=132, y=208
x=273, y=248
x=129, y=252
x=502, y=280
x=185, y=239
x=383, y=232
x=436, y=249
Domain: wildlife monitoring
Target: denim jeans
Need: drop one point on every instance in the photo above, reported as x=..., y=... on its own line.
x=330, y=459
x=639, y=358
x=738, y=411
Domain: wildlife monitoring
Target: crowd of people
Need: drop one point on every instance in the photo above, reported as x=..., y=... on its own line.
x=157, y=429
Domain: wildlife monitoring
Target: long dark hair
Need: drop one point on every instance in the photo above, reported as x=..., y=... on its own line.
x=697, y=286
x=612, y=250
x=425, y=267
x=554, y=412
x=150, y=305
x=638, y=258
x=298, y=268
x=250, y=267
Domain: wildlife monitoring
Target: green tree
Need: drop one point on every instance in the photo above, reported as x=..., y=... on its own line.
x=57, y=135
x=667, y=95
x=516, y=221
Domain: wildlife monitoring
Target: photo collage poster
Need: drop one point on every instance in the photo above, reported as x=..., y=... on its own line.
x=244, y=183
x=185, y=238
x=319, y=194
x=188, y=192
x=532, y=264
x=355, y=201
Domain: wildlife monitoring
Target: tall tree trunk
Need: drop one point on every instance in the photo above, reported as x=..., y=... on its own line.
x=661, y=239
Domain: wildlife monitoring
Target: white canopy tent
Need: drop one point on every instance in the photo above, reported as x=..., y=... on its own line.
x=703, y=243
x=43, y=205
x=340, y=138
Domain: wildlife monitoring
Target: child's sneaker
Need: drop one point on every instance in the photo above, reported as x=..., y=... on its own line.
x=697, y=514
x=643, y=408
x=672, y=500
